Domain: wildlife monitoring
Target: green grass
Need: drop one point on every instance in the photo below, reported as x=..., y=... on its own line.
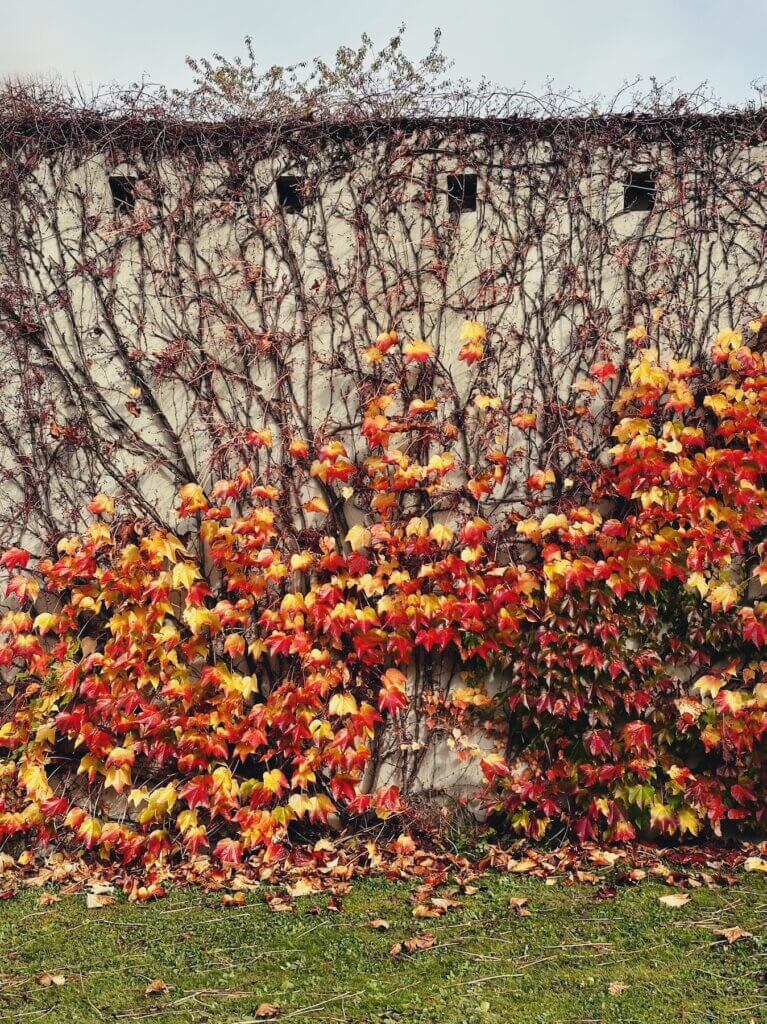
x=488, y=965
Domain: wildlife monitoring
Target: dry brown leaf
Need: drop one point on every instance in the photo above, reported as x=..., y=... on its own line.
x=303, y=887
x=605, y=859
x=266, y=1011
x=519, y=906
x=734, y=934
x=676, y=899
x=419, y=942
x=95, y=900
x=48, y=980
x=156, y=987
x=379, y=924
x=521, y=867
x=616, y=987
x=138, y=893
x=587, y=876
x=47, y=899
x=607, y=892
x=233, y=899
x=37, y=881
x=241, y=883
x=278, y=904
x=422, y=911
x=443, y=903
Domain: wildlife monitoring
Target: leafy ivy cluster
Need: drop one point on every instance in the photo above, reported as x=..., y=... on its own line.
x=602, y=660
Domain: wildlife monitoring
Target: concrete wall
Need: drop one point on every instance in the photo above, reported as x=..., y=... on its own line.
x=136, y=346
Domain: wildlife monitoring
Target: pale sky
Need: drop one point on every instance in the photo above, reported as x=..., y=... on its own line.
x=593, y=45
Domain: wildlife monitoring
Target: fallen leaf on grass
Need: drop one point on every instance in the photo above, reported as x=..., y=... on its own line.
x=521, y=867
x=606, y=892
x=47, y=980
x=519, y=906
x=733, y=934
x=379, y=924
x=588, y=877
x=616, y=987
x=156, y=988
x=95, y=900
x=241, y=883
x=139, y=893
x=303, y=887
x=605, y=859
x=437, y=906
x=676, y=899
x=47, y=899
x=279, y=904
x=442, y=903
x=422, y=910
x=755, y=864
x=267, y=1012
x=233, y=899
x=414, y=945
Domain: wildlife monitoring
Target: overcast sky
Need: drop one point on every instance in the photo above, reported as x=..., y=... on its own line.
x=593, y=45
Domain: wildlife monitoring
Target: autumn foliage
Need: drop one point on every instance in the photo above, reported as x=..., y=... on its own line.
x=223, y=688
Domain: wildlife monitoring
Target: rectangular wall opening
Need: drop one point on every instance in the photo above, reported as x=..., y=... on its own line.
x=639, y=192
x=123, y=191
x=461, y=193
x=290, y=193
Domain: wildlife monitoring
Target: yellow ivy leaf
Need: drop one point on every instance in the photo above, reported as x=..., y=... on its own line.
x=688, y=821
x=442, y=534
x=358, y=537
x=709, y=685
x=201, y=618
x=342, y=704
x=184, y=574
x=45, y=622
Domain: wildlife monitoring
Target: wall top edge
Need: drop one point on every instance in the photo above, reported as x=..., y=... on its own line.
x=101, y=130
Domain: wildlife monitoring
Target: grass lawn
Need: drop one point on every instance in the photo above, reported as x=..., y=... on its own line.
x=575, y=958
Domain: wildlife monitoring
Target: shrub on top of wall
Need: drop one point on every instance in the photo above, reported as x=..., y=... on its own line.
x=597, y=645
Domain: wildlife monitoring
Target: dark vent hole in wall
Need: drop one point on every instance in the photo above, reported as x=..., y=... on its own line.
x=123, y=191
x=461, y=193
x=639, y=193
x=290, y=193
